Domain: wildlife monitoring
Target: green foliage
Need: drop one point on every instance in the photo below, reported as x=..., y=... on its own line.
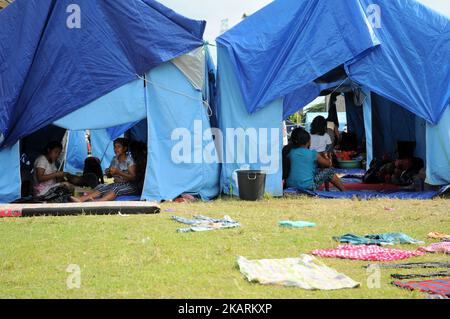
x=296, y=118
x=317, y=108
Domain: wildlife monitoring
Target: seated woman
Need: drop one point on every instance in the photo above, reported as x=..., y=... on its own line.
x=304, y=171
x=320, y=140
x=123, y=170
x=46, y=175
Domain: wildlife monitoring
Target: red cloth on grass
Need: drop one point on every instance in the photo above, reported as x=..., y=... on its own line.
x=437, y=248
x=438, y=286
x=364, y=252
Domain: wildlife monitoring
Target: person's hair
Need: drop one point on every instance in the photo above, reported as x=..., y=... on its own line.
x=319, y=126
x=138, y=151
x=122, y=141
x=51, y=146
x=300, y=137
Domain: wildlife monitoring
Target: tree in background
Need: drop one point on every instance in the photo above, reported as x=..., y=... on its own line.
x=317, y=108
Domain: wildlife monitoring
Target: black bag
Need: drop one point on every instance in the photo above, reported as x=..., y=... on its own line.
x=58, y=194
x=92, y=165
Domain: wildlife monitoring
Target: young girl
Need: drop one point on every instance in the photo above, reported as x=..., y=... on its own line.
x=45, y=174
x=304, y=172
x=320, y=140
x=123, y=170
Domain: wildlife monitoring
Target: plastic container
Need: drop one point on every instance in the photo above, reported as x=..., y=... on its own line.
x=252, y=184
x=349, y=164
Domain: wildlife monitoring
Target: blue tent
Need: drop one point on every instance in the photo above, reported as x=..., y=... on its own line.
x=282, y=57
x=123, y=62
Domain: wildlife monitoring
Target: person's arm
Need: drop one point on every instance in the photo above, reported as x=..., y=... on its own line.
x=324, y=161
x=286, y=161
x=108, y=170
x=337, y=136
x=129, y=175
x=41, y=177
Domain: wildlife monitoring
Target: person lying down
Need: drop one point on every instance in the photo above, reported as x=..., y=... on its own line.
x=126, y=171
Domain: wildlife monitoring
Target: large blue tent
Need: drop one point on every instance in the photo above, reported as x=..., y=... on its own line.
x=123, y=62
x=282, y=57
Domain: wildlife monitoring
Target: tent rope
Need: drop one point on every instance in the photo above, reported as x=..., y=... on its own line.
x=205, y=103
x=337, y=88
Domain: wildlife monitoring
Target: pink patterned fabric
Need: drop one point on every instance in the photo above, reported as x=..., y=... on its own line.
x=437, y=248
x=363, y=252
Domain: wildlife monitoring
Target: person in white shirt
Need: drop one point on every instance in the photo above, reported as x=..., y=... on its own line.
x=320, y=140
x=45, y=173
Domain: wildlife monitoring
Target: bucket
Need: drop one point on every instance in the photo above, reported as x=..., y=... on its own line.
x=251, y=184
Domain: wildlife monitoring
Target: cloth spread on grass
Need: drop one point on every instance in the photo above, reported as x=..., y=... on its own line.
x=431, y=274
x=440, y=236
x=378, y=239
x=438, y=286
x=296, y=224
x=412, y=265
x=363, y=252
x=305, y=272
x=437, y=248
x=204, y=223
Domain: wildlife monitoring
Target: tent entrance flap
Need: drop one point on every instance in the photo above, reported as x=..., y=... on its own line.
x=178, y=132
x=438, y=151
x=10, y=181
x=251, y=141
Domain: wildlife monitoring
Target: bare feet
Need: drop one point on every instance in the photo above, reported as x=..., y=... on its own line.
x=73, y=199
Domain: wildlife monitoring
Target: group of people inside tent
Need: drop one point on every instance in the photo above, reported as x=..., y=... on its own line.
x=127, y=169
x=307, y=159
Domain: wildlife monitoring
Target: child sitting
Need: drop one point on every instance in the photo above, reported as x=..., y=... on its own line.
x=304, y=171
x=320, y=140
x=123, y=170
x=46, y=175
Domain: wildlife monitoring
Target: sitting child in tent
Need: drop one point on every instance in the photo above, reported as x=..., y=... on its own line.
x=304, y=162
x=127, y=169
x=46, y=175
x=320, y=140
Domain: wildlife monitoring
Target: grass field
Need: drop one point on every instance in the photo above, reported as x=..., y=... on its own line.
x=144, y=256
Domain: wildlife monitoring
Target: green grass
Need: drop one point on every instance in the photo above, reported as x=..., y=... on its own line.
x=144, y=257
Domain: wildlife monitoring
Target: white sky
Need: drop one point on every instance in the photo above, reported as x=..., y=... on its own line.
x=215, y=11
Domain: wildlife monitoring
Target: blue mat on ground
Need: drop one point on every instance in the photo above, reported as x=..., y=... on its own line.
x=349, y=179
x=128, y=199
x=395, y=194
